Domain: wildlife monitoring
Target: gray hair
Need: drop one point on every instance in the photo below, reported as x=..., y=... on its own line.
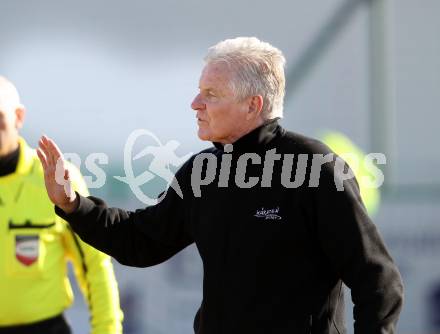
x=9, y=98
x=258, y=69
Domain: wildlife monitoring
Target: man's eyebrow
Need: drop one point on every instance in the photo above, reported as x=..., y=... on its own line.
x=208, y=89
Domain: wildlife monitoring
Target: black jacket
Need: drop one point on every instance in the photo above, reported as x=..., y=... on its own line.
x=274, y=258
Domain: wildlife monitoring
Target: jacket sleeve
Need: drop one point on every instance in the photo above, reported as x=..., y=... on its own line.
x=95, y=276
x=358, y=254
x=142, y=238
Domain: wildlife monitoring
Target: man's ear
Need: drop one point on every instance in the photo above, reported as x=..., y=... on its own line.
x=255, y=106
x=20, y=114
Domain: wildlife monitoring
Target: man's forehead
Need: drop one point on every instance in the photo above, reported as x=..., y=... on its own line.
x=214, y=75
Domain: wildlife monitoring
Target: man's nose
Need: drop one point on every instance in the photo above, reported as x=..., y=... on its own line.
x=197, y=103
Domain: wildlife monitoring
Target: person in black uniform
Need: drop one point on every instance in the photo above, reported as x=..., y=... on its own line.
x=277, y=240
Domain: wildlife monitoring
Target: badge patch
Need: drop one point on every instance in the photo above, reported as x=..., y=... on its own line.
x=26, y=249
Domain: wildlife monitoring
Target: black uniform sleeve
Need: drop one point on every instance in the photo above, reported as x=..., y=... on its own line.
x=142, y=238
x=358, y=254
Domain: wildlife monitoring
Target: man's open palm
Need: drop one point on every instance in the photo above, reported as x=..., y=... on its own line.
x=56, y=175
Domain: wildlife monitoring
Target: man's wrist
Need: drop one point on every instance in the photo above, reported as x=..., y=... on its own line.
x=72, y=206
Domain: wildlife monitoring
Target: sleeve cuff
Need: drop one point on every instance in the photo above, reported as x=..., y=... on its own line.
x=85, y=206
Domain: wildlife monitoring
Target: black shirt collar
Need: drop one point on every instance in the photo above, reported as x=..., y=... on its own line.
x=256, y=140
x=8, y=162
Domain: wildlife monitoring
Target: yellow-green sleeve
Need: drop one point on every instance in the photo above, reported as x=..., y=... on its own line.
x=94, y=273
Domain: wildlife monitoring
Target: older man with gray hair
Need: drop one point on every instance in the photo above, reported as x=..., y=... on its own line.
x=275, y=253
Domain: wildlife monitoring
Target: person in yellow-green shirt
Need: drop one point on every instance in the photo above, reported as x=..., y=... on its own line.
x=355, y=157
x=35, y=244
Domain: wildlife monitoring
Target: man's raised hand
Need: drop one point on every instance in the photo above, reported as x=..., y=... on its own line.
x=56, y=175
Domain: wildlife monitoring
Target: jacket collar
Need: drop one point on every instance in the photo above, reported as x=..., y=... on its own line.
x=257, y=140
x=25, y=164
x=8, y=162
x=25, y=159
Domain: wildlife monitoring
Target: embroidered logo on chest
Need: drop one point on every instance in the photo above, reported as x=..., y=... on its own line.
x=26, y=249
x=268, y=214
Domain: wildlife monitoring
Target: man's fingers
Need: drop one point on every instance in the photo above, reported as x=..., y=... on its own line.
x=45, y=150
x=50, y=152
x=54, y=148
x=44, y=145
x=56, y=153
x=42, y=158
x=53, y=152
x=44, y=140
